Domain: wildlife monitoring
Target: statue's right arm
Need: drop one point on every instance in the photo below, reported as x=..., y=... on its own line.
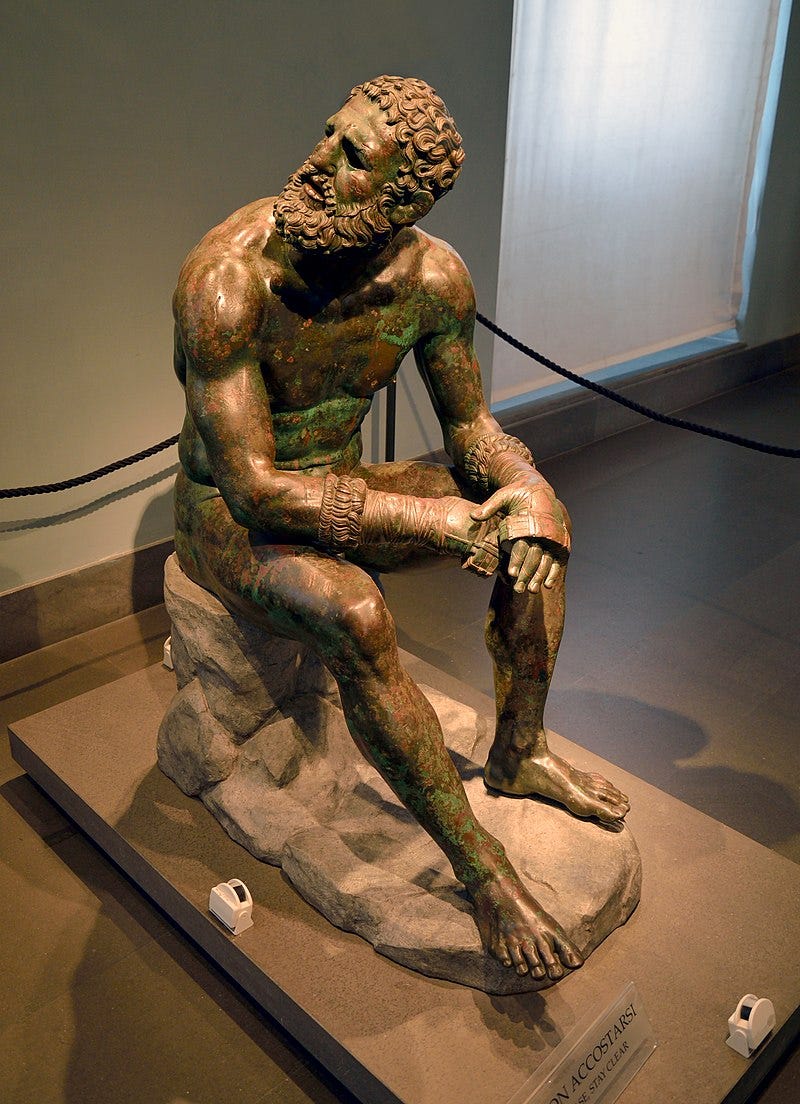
x=218, y=313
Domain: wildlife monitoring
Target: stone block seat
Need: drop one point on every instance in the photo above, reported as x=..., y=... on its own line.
x=256, y=732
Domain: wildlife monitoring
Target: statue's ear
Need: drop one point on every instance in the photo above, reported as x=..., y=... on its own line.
x=406, y=214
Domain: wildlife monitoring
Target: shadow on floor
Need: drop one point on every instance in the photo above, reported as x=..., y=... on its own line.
x=654, y=744
x=170, y=1000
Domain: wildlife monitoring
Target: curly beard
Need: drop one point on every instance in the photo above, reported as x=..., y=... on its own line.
x=317, y=224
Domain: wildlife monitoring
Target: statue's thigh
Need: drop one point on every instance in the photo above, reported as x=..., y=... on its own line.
x=296, y=591
x=414, y=477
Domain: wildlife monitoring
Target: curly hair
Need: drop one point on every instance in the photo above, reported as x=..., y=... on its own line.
x=424, y=130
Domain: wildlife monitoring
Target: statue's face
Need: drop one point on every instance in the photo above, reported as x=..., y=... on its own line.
x=338, y=198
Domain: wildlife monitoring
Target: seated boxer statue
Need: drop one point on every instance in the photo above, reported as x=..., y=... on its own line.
x=290, y=316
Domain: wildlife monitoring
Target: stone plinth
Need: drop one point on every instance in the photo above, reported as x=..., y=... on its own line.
x=256, y=731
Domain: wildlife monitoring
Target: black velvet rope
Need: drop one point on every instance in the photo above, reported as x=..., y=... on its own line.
x=78, y=480
x=645, y=411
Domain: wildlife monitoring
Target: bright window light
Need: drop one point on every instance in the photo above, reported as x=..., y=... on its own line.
x=632, y=134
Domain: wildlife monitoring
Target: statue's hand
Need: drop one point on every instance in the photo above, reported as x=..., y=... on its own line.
x=532, y=530
x=483, y=558
x=533, y=564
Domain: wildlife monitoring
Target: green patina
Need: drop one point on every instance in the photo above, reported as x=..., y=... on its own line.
x=277, y=390
x=404, y=340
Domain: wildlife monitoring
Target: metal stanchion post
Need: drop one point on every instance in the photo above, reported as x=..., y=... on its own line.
x=391, y=415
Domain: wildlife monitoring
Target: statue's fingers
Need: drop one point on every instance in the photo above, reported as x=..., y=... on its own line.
x=519, y=550
x=553, y=574
x=542, y=571
x=529, y=567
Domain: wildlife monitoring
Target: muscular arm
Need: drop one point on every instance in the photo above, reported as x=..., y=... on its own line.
x=533, y=525
x=218, y=312
x=446, y=359
x=230, y=409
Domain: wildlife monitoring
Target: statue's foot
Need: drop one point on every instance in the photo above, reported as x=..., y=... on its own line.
x=519, y=933
x=547, y=775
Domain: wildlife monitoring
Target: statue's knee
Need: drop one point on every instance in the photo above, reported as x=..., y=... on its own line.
x=363, y=631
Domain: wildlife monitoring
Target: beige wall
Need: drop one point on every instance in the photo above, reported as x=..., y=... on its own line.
x=128, y=131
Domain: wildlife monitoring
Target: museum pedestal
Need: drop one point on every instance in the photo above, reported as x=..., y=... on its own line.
x=256, y=731
x=718, y=918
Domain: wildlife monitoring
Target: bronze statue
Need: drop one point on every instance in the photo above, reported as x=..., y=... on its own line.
x=289, y=317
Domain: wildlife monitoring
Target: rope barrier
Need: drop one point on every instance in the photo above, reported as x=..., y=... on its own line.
x=78, y=480
x=646, y=411
x=590, y=385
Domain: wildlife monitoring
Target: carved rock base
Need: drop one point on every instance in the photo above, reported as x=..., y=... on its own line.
x=257, y=732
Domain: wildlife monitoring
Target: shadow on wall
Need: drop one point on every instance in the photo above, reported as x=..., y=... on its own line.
x=47, y=520
x=8, y=579
x=147, y=576
x=50, y=610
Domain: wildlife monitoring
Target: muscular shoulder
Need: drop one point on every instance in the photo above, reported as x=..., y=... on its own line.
x=219, y=298
x=444, y=279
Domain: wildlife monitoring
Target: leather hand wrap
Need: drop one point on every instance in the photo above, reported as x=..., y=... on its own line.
x=535, y=526
x=340, y=512
x=484, y=556
x=483, y=460
x=351, y=515
x=434, y=523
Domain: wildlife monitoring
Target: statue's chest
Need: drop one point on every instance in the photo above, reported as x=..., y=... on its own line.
x=337, y=351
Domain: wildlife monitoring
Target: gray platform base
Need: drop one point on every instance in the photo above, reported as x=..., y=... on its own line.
x=718, y=918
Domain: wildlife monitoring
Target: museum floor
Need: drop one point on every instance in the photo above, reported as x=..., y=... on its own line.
x=680, y=663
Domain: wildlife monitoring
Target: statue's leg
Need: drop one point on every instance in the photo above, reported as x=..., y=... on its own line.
x=336, y=609
x=523, y=634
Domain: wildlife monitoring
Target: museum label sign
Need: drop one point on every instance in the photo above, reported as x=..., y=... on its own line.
x=598, y=1058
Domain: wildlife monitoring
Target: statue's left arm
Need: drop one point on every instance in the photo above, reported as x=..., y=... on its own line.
x=533, y=526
